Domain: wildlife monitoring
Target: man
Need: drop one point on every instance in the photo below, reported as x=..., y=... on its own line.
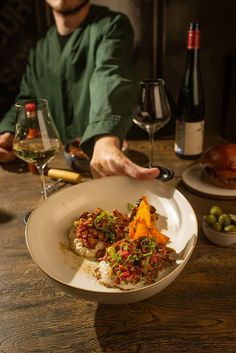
x=83, y=68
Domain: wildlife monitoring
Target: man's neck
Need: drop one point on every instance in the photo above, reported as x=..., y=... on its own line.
x=68, y=23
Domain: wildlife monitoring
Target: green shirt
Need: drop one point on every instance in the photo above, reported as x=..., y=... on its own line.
x=89, y=85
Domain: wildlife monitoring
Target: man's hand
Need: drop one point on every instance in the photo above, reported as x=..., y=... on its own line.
x=6, y=151
x=108, y=159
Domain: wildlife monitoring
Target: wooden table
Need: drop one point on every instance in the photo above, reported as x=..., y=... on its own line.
x=195, y=314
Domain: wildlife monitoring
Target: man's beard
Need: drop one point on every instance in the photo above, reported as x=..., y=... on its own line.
x=68, y=12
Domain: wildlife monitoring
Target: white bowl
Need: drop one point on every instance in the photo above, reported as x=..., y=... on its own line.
x=48, y=226
x=219, y=238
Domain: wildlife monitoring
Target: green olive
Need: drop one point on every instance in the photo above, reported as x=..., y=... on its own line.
x=224, y=219
x=233, y=218
x=216, y=211
x=209, y=219
x=217, y=226
x=230, y=228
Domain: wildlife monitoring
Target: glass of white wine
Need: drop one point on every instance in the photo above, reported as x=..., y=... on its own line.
x=36, y=138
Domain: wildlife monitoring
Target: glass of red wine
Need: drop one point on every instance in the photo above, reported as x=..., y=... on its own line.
x=152, y=114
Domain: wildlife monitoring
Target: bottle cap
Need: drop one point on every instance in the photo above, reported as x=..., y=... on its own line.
x=30, y=107
x=194, y=26
x=193, y=36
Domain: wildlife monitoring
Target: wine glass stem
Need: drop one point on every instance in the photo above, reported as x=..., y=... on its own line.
x=43, y=186
x=151, y=148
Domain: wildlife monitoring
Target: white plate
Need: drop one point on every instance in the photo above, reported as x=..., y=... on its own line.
x=49, y=224
x=194, y=178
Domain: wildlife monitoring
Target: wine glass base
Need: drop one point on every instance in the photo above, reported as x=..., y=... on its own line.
x=165, y=173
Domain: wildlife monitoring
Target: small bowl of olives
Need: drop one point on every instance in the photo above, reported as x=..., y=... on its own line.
x=220, y=227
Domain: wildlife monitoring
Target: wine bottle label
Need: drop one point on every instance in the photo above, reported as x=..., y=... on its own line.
x=189, y=138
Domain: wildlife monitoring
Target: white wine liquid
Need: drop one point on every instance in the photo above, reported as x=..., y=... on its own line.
x=33, y=150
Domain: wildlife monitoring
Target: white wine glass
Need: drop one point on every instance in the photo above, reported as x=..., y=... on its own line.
x=36, y=138
x=152, y=114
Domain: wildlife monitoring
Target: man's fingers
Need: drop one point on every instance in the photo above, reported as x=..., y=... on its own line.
x=121, y=165
x=6, y=156
x=98, y=171
x=139, y=172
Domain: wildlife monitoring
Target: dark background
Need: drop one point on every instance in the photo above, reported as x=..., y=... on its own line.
x=218, y=59
x=22, y=22
x=160, y=50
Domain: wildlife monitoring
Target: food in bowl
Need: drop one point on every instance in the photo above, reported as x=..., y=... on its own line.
x=76, y=158
x=130, y=264
x=220, y=227
x=220, y=221
x=134, y=251
x=49, y=247
x=74, y=149
x=219, y=164
x=94, y=231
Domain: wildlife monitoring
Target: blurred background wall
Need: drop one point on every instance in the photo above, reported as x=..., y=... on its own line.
x=160, y=28
x=21, y=23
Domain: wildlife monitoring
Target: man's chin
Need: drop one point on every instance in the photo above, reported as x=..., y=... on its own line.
x=72, y=11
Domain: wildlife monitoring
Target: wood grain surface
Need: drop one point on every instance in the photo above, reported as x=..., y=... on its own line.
x=195, y=314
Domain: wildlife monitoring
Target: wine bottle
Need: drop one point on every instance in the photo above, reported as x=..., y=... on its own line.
x=191, y=106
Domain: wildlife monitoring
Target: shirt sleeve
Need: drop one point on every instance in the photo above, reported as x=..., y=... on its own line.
x=7, y=124
x=113, y=86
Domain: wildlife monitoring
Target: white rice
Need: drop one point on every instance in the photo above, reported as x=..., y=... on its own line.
x=79, y=248
x=104, y=272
